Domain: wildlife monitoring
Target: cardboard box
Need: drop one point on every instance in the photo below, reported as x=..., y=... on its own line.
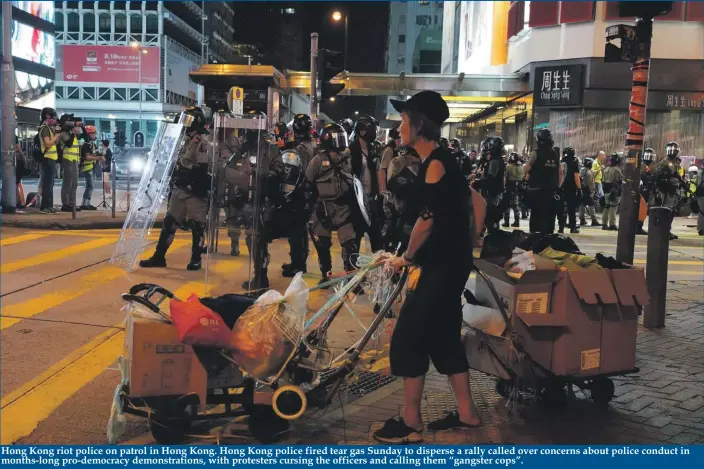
x=159, y=364
x=572, y=323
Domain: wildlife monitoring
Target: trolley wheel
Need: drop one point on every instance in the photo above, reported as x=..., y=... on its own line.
x=602, y=391
x=167, y=429
x=504, y=387
x=553, y=395
x=265, y=426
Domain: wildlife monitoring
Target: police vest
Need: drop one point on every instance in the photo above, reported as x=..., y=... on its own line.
x=331, y=181
x=72, y=153
x=51, y=153
x=545, y=171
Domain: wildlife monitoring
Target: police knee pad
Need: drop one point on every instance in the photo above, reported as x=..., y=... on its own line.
x=170, y=224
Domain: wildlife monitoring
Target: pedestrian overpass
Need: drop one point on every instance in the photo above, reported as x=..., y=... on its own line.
x=466, y=95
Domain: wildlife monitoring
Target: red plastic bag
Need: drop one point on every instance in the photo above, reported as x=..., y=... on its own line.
x=197, y=324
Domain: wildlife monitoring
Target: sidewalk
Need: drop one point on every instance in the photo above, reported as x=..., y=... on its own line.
x=31, y=218
x=662, y=404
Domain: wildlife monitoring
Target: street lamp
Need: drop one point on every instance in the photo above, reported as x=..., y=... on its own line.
x=143, y=51
x=356, y=113
x=332, y=99
x=337, y=16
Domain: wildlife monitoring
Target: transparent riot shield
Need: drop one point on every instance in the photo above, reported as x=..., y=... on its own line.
x=153, y=188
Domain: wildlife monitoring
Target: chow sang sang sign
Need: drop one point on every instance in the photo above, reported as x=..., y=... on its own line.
x=558, y=86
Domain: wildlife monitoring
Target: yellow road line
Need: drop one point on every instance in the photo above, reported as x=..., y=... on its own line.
x=27, y=406
x=55, y=255
x=642, y=261
x=21, y=239
x=685, y=272
x=85, y=284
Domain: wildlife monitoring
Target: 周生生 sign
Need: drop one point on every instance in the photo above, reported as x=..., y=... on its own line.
x=560, y=85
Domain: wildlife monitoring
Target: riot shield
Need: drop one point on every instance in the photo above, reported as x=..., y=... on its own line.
x=153, y=188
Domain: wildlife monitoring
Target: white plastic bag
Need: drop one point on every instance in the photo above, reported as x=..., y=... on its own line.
x=267, y=335
x=117, y=422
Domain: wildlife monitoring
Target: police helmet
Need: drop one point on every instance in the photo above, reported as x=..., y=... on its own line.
x=615, y=159
x=588, y=162
x=348, y=125
x=484, y=146
x=198, y=119
x=333, y=138
x=292, y=169
x=394, y=133
x=693, y=170
x=568, y=153
x=495, y=146
x=48, y=113
x=455, y=144
x=302, y=125
x=366, y=129
x=648, y=156
x=513, y=157
x=544, y=138
x=444, y=143
x=672, y=149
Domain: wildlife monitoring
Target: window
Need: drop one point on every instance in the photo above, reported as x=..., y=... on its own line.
x=104, y=94
x=423, y=20
x=104, y=127
x=59, y=20
x=89, y=22
x=73, y=22
x=402, y=19
x=401, y=59
x=401, y=38
x=542, y=14
x=104, y=23
x=120, y=23
x=136, y=23
x=152, y=24
x=436, y=20
x=423, y=3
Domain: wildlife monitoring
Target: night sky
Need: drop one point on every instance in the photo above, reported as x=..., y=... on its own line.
x=368, y=34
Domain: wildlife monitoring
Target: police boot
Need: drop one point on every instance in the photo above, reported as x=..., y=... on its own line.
x=324, y=258
x=166, y=237
x=197, y=247
x=640, y=230
x=261, y=264
x=506, y=220
x=235, y=248
x=258, y=283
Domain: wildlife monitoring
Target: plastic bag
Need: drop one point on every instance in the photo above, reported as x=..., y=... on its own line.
x=267, y=335
x=197, y=324
x=498, y=246
x=526, y=261
x=538, y=242
x=117, y=423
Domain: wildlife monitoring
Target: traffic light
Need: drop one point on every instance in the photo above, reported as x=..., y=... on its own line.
x=329, y=66
x=119, y=138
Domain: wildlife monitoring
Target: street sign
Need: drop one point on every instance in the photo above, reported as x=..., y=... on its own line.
x=235, y=99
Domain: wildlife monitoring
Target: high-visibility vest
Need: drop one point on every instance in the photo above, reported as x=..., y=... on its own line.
x=51, y=153
x=87, y=165
x=73, y=153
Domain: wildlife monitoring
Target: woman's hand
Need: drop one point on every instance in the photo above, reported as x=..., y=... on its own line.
x=396, y=263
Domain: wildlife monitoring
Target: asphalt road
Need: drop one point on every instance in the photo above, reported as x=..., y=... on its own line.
x=61, y=321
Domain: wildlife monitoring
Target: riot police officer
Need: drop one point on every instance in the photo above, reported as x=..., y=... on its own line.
x=388, y=153
x=348, y=125
x=330, y=171
x=463, y=162
x=365, y=161
x=668, y=180
x=298, y=236
x=543, y=173
x=491, y=184
x=647, y=182
x=399, y=206
x=283, y=136
x=514, y=179
x=188, y=203
x=571, y=191
x=444, y=143
x=586, y=178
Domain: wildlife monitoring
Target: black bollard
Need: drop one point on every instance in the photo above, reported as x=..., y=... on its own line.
x=656, y=266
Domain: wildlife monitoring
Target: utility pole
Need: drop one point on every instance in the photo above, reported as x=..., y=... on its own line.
x=9, y=183
x=313, y=76
x=635, y=48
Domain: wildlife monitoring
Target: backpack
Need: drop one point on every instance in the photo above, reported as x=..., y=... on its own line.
x=37, y=152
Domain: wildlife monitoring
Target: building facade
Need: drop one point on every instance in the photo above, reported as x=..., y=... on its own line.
x=125, y=65
x=558, y=48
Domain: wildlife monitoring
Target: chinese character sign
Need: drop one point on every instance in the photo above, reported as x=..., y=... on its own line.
x=560, y=85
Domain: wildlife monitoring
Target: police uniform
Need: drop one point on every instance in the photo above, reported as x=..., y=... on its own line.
x=612, y=182
x=668, y=179
x=514, y=177
x=491, y=184
x=331, y=175
x=188, y=201
x=543, y=181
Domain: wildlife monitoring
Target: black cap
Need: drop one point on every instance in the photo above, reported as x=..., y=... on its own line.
x=426, y=102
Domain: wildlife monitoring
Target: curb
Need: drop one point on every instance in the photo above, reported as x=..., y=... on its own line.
x=68, y=225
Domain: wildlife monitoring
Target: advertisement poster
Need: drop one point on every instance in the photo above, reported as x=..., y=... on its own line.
x=43, y=10
x=32, y=44
x=177, y=74
x=476, y=36
x=109, y=64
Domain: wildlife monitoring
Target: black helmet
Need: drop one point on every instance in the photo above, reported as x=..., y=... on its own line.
x=672, y=149
x=484, y=146
x=348, y=125
x=568, y=153
x=544, y=138
x=394, y=133
x=48, y=113
x=302, y=125
x=513, y=157
x=366, y=129
x=333, y=138
x=588, y=162
x=615, y=159
x=199, y=120
x=455, y=144
x=648, y=156
x=495, y=146
x=444, y=143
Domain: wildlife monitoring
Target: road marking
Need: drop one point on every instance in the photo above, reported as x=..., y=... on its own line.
x=641, y=261
x=26, y=407
x=55, y=255
x=21, y=239
x=685, y=272
x=85, y=284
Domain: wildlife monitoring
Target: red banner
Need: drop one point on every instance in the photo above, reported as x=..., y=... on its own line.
x=110, y=64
